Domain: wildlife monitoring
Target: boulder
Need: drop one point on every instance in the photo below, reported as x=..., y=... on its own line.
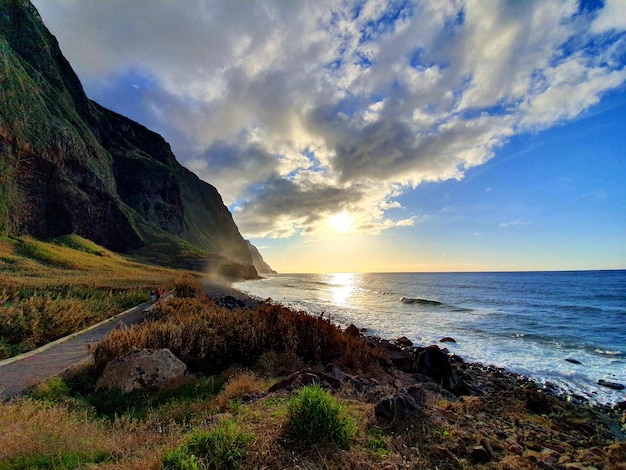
x=141, y=369
x=404, y=341
x=403, y=359
x=613, y=385
x=479, y=454
x=398, y=406
x=447, y=339
x=336, y=372
x=303, y=378
x=573, y=361
x=434, y=363
x=352, y=330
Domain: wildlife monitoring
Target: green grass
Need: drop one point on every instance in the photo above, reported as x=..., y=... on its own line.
x=316, y=417
x=221, y=448
x=110, y=404
x=61, y=461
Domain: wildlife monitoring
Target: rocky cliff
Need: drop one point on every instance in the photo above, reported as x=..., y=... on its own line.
x=68, y=165
x=259, y=263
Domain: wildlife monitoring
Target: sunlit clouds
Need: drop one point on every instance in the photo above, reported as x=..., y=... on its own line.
x=316, y=117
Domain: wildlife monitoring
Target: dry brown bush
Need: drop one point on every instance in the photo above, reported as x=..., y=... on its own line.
x=187, y=286
x=210, y=339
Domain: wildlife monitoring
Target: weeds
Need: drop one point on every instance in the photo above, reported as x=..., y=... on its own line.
x=221, y=448
x=315, y=417
x=61, y=461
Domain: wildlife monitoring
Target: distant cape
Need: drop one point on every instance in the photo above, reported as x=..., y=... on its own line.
x=259, y=263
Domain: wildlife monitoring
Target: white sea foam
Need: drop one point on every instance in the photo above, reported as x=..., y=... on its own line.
x=526, y=322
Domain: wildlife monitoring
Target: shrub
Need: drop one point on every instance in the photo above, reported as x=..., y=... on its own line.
x=220, y=448
x=187, y=286
x=210, y=339
x=315, y=416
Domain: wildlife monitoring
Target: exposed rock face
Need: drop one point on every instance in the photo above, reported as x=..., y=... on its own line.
x=68, y=165
x=259, y=263
x=141, y=369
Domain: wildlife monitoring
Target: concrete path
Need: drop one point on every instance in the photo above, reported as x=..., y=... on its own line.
x=21, y=372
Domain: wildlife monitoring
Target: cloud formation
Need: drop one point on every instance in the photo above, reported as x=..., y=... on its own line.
x=298, y=111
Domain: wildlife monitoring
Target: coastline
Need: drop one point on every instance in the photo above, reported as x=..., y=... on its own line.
x=406, y=411
x=506, y=403
x=557, y=328
x=221, y=291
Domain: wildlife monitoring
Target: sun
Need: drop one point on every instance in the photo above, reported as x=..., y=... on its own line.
x=341, y=222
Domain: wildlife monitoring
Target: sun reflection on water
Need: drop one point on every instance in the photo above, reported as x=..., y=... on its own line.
x=342, y=287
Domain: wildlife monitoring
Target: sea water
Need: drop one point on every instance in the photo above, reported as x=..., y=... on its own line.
x=526, y=322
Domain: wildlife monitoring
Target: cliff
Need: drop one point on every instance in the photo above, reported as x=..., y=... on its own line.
x=68, y=165
x=259, y=263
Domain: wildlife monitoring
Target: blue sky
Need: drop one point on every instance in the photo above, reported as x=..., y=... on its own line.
x=381, y=135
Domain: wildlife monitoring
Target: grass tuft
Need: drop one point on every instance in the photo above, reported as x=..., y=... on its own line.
x=316, y=417
x=222, y=448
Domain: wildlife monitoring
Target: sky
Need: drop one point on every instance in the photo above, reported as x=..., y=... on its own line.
x=381, y=136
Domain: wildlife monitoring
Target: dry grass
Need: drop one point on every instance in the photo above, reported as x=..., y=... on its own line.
x=240, y=384
x=211, y=339
x=31, y=428
x=48, y=290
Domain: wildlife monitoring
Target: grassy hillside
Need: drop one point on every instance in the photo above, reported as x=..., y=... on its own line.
x=51, y=289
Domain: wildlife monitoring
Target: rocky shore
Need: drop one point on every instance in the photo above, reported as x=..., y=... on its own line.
x=491, y=418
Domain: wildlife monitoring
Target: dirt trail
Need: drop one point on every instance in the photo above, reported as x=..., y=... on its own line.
x=21, y=372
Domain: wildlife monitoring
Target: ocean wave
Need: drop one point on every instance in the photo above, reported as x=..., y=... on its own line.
x=579, y=308
x=608, y=353
x=420, y=301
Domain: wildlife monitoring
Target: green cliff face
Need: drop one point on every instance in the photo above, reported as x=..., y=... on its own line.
x=68, y=165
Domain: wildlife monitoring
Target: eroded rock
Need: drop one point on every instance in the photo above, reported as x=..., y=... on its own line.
x=141, y=369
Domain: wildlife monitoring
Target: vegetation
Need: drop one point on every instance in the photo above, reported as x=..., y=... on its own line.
x=221, y=448
x=51, y=289
x=209, y=340
x=316, y=417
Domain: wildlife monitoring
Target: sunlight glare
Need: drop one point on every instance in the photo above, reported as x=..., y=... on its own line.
x=343, y=285
x=341, y=222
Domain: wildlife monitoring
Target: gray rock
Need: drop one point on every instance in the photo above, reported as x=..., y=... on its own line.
x=434, y=363
x=303, y=378
x=613, y=385
x=141, y=369
x=398, y=406
x=404, y=341
x=572, y=360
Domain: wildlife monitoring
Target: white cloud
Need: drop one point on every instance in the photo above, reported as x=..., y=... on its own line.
x=611, y=17
x=297, y=111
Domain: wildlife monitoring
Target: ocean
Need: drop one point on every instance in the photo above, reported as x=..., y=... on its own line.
x=526, y=322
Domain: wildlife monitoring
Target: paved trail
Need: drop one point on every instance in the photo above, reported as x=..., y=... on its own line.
x=21, y=372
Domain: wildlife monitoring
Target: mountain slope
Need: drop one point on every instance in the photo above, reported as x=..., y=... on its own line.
x=68, y=165
x=259, y=263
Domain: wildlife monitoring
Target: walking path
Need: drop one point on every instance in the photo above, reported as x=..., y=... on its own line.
x=21, y=372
